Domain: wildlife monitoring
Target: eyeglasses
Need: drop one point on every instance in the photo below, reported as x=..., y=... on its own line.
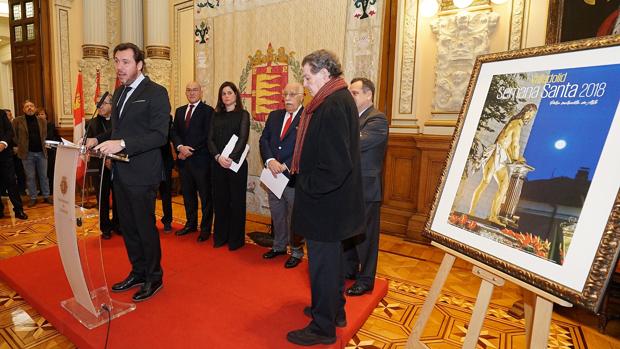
x=290, y=94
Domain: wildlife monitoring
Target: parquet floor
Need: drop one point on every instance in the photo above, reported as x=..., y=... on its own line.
x=409, y=267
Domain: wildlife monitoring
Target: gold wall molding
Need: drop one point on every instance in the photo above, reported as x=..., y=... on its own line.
x=158, y=52
x=95, y=51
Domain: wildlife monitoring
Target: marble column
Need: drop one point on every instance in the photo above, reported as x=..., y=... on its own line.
x=132, y=26
x=95, y=51
x=157, y=44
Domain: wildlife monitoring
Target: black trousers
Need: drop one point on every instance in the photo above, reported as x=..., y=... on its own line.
x=165, y=192
x=9, y=182
x=105, y=223
x=362, y=251
x=229, y=190
x=136, y=209
x=197, y=179
x=325, y=265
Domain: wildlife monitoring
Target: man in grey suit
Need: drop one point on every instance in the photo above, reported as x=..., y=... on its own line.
x=373, y=139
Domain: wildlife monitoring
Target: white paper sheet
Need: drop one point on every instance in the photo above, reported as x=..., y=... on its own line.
x=275, y=184
x=229, y=148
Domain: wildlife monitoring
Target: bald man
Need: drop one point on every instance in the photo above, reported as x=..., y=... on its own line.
x=277, y=144
x=190, y=130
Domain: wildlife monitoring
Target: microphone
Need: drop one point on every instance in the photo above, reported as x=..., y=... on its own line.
x=102, y=99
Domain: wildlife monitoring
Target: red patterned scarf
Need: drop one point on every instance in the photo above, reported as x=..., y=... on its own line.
x=330, y=87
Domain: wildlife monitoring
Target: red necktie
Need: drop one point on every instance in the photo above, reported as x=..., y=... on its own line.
x=188, y=116
x=286, y=125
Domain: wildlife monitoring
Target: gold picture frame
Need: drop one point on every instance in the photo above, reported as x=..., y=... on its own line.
x=581, y=273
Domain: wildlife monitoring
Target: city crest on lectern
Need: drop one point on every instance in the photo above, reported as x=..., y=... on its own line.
x=63, y=185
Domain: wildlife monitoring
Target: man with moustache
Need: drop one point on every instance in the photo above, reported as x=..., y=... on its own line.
x=191, y=128
x=373, y=140
x=30, y=133
x=329, y=204
x=97, y=126
x=277, y=143
x=140, y=121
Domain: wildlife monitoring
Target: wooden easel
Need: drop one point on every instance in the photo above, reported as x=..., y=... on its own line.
x=538, y=304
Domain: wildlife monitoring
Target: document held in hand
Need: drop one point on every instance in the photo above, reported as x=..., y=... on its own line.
x=229, y=148
x=275, y=184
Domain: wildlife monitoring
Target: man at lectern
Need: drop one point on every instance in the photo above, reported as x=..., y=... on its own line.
x=140, y=119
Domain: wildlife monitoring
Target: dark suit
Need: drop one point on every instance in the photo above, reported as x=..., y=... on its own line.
x=143, y=125
x=272, y=146
x=196, y=170
x=373, y=140
x=329, y=204
x=103, y=184
x=165, y=187
x=52, y=135
x=7, y=172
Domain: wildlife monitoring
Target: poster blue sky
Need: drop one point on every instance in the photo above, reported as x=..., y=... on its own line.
x=573, y=120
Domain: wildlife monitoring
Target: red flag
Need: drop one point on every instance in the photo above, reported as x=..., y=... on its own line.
x=78, y=124
x=97, y=87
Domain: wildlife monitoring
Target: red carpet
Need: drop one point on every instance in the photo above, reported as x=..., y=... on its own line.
x=212, y=298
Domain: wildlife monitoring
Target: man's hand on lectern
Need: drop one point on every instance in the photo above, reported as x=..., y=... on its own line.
x=110, y=147
x=91, y=142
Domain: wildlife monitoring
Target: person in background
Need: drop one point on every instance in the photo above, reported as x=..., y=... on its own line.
x=373, y=141
x=7, y=173
x=52, y=135
x=229, y=187
x=30, y=134
x=101, y=124
x=165, y=187
x=17, y=163
x=190, y=133
x=277, y=143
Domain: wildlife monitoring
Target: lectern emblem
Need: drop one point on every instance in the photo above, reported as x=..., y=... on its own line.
x=63, y=185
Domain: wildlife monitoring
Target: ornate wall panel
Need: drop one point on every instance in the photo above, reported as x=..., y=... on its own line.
x=363, y=40
x=460, y=39
x=65, y=67
x=516, y=25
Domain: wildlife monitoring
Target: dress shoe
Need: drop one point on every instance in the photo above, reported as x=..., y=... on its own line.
x=203, y=237
x=339, y=322
x=48, y=200
x=218, y=244
x=32, y=203
x=292, y=262
x=167, y=227
x=306, y=337
x=350, y=277
x=148, y=290
x=184, y=231
x=129, y=282
x=106, y=235
x=21, y=215
x=358, y=290
x=272, y=253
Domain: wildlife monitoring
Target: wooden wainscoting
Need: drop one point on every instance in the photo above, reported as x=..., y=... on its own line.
x=413, y=165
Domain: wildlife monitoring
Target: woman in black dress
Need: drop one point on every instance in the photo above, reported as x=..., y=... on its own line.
x=229, y=187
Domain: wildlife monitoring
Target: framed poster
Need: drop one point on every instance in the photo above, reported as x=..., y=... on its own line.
x=531, y=185
x=581, y=19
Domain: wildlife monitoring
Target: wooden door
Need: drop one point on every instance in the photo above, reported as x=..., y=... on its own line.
x=31, y=53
